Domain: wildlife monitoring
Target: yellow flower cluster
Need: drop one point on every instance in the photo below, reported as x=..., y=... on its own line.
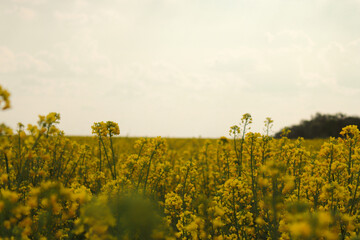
x=250, y=186
x=4, y=98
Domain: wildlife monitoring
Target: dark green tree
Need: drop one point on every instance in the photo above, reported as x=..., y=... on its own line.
x=321, y=126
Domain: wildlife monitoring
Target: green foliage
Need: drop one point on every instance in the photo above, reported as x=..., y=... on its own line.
x=321, y=126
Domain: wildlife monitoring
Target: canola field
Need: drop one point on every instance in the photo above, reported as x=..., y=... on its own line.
x=244, y=186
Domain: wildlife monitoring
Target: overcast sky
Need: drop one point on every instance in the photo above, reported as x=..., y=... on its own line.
x=179, y=68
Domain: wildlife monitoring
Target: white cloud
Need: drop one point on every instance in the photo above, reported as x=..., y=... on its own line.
x=25, y=13
x=33, y=2
x=72, y=17
x=7, y=60
x=294, y=60
x=16, y=62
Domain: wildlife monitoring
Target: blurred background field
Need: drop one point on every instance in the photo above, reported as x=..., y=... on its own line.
x=125, y=145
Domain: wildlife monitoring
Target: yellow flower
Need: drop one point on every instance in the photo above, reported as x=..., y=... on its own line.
x=218, y=211
x=4, y=98
x=7, y=224
x=260, y=221
x=217, y=223
x=302, y=229
x=4, y=178
x=12, y=196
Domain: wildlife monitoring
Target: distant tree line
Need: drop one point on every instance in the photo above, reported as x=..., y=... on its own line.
x=321, y=126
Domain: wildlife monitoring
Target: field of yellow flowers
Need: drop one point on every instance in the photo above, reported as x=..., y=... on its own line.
x=247, y=186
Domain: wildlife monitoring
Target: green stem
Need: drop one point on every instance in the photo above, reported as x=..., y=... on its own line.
x=148, y=169
x=234, y=213
x=100, y=151
x=7, y=170
x=107, y=158
x=113, y=156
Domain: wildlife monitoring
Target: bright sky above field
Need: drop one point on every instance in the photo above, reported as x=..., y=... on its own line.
x=179, y=68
